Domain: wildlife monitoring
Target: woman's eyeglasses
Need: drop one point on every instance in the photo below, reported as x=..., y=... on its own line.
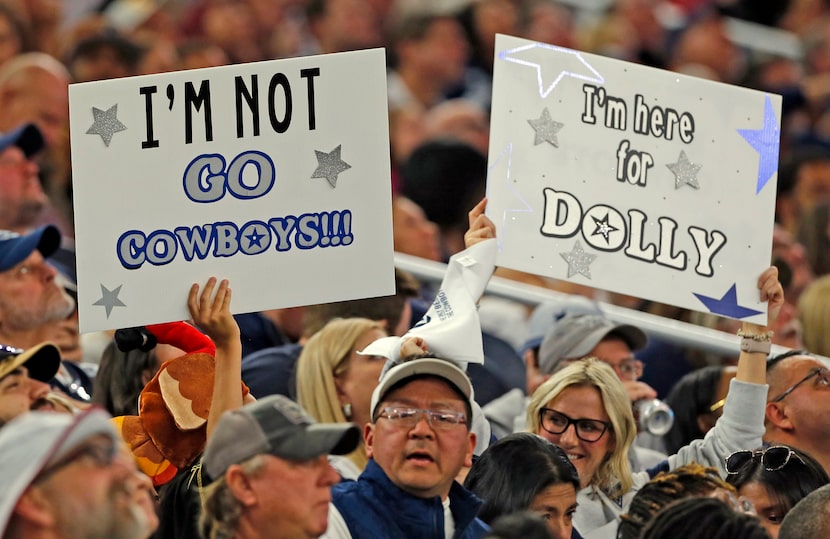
x=771, y=458
x=587, y=430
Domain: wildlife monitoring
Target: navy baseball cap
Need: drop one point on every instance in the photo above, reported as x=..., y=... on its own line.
x=27, y=137
x=15, y=248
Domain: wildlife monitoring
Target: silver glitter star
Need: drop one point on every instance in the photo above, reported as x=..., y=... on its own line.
x=106, y=123
x=329, y=165
x=578, y=261
x=685, y=172
x=546, y=129
x=109, y=299
x=603, y=227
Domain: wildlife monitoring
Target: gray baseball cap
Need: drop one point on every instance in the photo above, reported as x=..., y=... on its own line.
x=547, y=314
x=274, y=425
x=33, y=441
x=573, y=337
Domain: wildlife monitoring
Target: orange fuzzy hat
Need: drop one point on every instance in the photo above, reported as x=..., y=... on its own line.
x=169, y=432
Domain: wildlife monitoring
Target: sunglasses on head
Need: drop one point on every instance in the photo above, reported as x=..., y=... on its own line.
x=771, y=458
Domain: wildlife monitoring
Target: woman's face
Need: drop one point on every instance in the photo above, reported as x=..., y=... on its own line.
x=581, y=402
x=356, y=384
x=767, y=507
x=556, y=505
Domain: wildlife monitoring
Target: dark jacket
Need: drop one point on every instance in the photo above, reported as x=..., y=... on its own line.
x=374, y=508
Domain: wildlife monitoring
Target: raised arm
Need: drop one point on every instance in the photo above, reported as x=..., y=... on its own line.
x=742, y=423
x=213, y=316
x=752, y=363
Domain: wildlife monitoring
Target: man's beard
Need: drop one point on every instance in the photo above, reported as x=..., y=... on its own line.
x=27, y=317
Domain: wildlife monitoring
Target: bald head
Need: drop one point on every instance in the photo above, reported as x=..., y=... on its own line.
x=798, y=404
x=34, y=87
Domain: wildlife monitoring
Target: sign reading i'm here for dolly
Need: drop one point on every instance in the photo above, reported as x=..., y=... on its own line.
x=632, y=179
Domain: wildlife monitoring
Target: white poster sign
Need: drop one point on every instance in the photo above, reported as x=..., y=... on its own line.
x=274, y=175
x=632, y=179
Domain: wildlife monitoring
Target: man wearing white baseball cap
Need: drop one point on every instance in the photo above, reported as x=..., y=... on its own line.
x=68, y=477
x=418, y=441
x=269, y=470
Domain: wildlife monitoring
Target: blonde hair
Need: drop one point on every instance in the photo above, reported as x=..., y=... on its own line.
x=325, y=357
x=614, y=474
x=814, y=315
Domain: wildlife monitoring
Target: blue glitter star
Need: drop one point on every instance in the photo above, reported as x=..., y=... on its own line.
x=109, y=299
x=766, y=142
x=727, y=305
x=557, y=60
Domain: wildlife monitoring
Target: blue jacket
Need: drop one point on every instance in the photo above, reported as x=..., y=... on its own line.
x=373, y=508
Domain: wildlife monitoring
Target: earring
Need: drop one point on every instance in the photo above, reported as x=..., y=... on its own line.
x=347, y=410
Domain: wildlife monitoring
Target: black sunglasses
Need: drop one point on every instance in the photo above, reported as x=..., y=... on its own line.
x=771, y=458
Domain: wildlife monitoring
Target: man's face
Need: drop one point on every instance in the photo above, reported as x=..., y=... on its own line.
x=19, y=393
x=615, y=352
x=807, y=407
x=421, y=460
x=30, y=297
x=42, y=99
x=99, y=481
x=21, y=195
x=443, y=51
x=293, y=496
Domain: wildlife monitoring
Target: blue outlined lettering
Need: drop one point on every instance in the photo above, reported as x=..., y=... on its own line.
x=224, y=239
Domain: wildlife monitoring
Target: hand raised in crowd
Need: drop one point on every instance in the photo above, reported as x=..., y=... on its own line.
x=481, y=227
x=772, y=292
x=413, y=346
x=213, y=316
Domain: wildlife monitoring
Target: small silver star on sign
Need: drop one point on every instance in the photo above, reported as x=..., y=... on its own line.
x=685, y=172
x=106, y=123
x=329, y=165
x=109, y=299
x=546, y=129
x=578, y=261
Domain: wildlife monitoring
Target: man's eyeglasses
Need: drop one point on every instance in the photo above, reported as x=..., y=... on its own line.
x=821, y=372
x=406, y=416
x=771, y=458
x=98, y=453
x=587, y=430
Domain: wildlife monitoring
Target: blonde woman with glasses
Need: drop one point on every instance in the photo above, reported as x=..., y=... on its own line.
x=585, y=410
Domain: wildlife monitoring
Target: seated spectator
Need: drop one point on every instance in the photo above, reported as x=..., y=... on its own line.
x=335, y=382
x=68, y=476
x=121, y=376
x=525, y=472
x=418, y=441
x=810, y=518
x=269, y=477
x=686, y=481
x=588, y=396
x=24, y=379
x=708, y=517
x=774, y=479
x=797, y=410
x=697, y=401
